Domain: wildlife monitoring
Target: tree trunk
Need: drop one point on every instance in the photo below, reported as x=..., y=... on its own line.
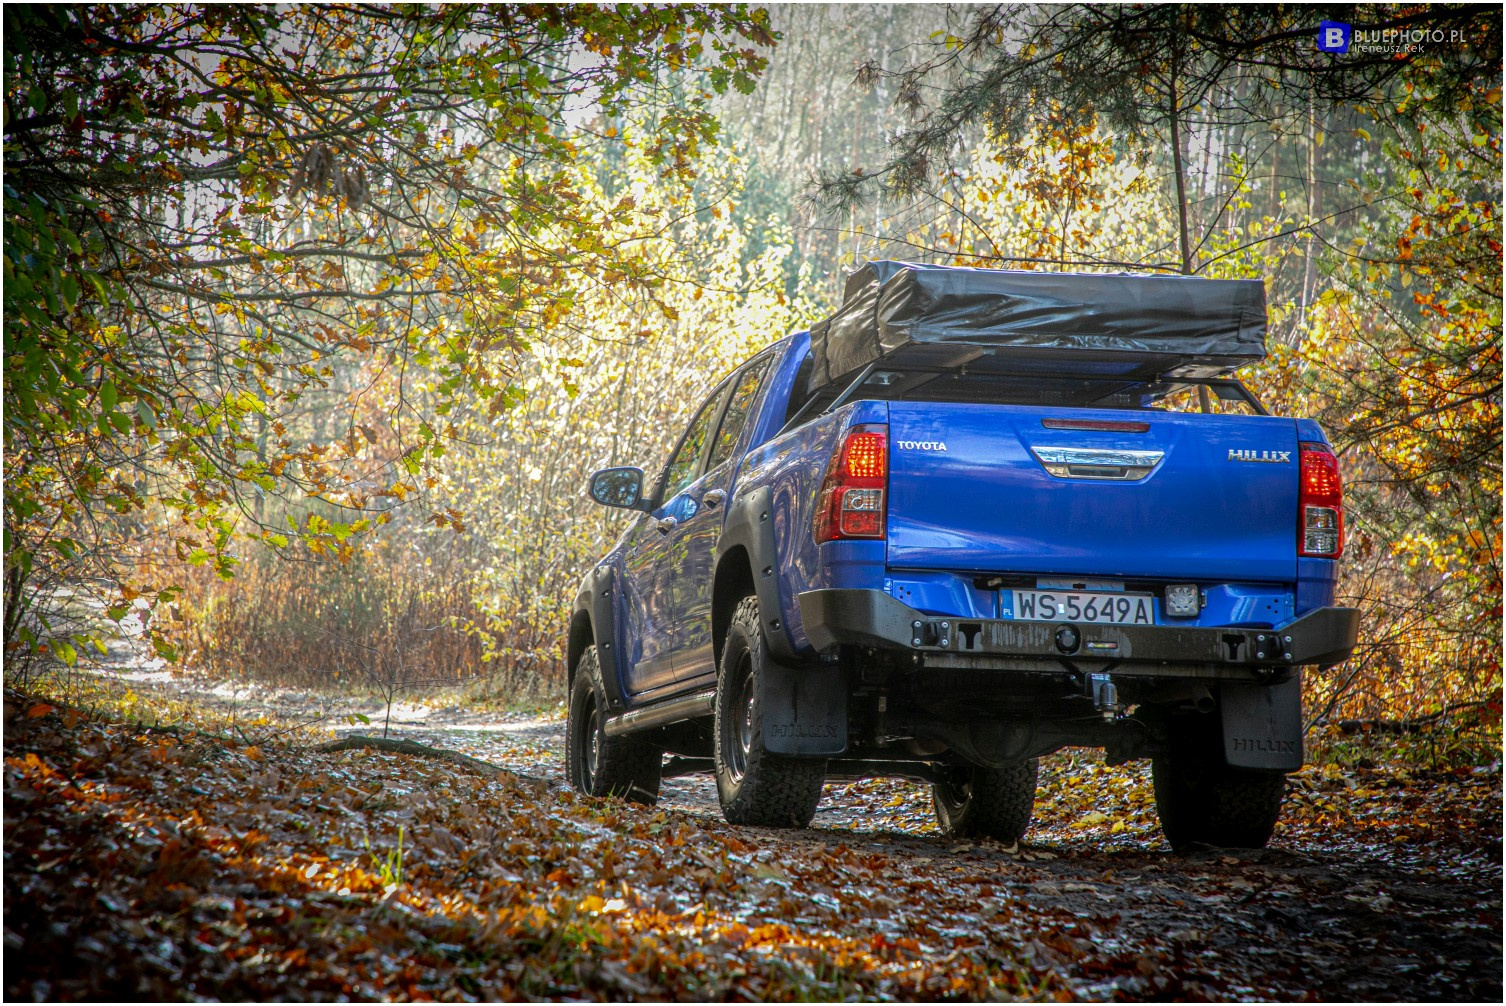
x=1316, y=126
x=1178, y=168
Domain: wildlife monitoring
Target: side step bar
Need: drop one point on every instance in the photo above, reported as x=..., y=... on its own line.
x=687, y=707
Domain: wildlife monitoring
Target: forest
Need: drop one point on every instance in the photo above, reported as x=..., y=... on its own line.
x=317, y=319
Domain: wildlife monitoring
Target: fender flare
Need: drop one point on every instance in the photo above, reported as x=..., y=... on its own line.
x=750, y=524
x=596, y=600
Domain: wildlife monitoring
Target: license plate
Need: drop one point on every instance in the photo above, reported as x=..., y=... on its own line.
x=1074, y=606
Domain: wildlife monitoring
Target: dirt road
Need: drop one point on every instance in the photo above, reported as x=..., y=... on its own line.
x=1381, y=883
x=1340, y=907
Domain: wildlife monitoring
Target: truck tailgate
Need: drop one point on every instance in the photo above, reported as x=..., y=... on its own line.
x=970, y=492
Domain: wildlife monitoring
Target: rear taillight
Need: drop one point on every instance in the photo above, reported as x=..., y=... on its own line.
x=1320, y=504
x=851, y=504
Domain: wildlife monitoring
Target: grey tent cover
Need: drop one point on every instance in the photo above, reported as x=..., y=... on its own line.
x=1188, y=324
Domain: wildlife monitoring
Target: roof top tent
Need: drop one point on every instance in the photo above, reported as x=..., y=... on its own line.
x=1104, y=339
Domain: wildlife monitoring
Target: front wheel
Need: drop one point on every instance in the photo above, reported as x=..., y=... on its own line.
x=753, y=785
x=599, y=765
x=981, y=800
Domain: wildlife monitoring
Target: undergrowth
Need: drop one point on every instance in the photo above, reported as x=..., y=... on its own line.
x=1447, y=744
x=111, y=698
x=380, y=620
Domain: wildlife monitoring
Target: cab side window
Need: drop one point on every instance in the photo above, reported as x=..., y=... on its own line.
x=744, y=391
x=682, y=469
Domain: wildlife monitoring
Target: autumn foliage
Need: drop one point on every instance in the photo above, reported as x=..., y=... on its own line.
x=317, y=320
x=1365, y=192
x=258, y=257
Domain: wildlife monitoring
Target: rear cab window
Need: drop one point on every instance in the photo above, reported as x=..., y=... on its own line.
x=744, y=393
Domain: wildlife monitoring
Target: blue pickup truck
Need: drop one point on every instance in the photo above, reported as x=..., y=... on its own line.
x=972, y=518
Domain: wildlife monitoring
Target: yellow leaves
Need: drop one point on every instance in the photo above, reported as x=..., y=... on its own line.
x=225, y=307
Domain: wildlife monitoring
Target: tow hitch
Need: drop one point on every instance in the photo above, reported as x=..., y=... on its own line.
x=1104, y=695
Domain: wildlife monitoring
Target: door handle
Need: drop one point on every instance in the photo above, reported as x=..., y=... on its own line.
x=666, y=525
x=713, y=498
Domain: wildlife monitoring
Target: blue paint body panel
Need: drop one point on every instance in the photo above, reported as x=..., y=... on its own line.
x=970, y=524
x=988, y=504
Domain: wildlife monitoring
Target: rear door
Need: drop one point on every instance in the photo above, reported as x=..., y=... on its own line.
x=1108, y=493
x=691, y=580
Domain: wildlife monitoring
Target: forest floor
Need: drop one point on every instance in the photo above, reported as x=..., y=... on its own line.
x=178, y=838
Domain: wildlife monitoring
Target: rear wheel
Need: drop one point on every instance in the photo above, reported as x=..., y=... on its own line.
x=1201, y=800
x=599, y=765
x=753, y=785
x=981, y=800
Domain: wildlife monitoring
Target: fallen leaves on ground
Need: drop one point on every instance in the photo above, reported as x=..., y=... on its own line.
x=144, y=864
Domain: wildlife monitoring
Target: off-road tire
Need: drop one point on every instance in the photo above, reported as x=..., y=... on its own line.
x=994, y=802
x=1203, y=801
x=753, y=785
x=599, y=765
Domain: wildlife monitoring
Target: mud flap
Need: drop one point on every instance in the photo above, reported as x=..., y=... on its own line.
x=804, y=709
x=1263, y=725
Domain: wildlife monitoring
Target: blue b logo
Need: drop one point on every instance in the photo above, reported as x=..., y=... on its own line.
x=1333, y=36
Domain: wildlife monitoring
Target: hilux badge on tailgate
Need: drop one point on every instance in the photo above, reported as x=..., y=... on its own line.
x=1270, y=457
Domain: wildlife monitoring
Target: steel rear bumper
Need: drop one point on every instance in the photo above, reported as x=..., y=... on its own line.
x=873, y=618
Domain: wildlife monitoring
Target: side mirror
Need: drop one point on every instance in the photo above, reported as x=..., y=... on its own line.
x=619, y=487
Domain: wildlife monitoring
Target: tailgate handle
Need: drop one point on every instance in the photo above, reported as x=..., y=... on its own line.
x=1096, y=464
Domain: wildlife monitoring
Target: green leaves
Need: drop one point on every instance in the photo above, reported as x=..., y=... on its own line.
x=65, y=651
x=197, y=274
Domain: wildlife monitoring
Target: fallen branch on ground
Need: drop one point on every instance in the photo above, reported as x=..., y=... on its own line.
x=358, y=741
x=1416, y=725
